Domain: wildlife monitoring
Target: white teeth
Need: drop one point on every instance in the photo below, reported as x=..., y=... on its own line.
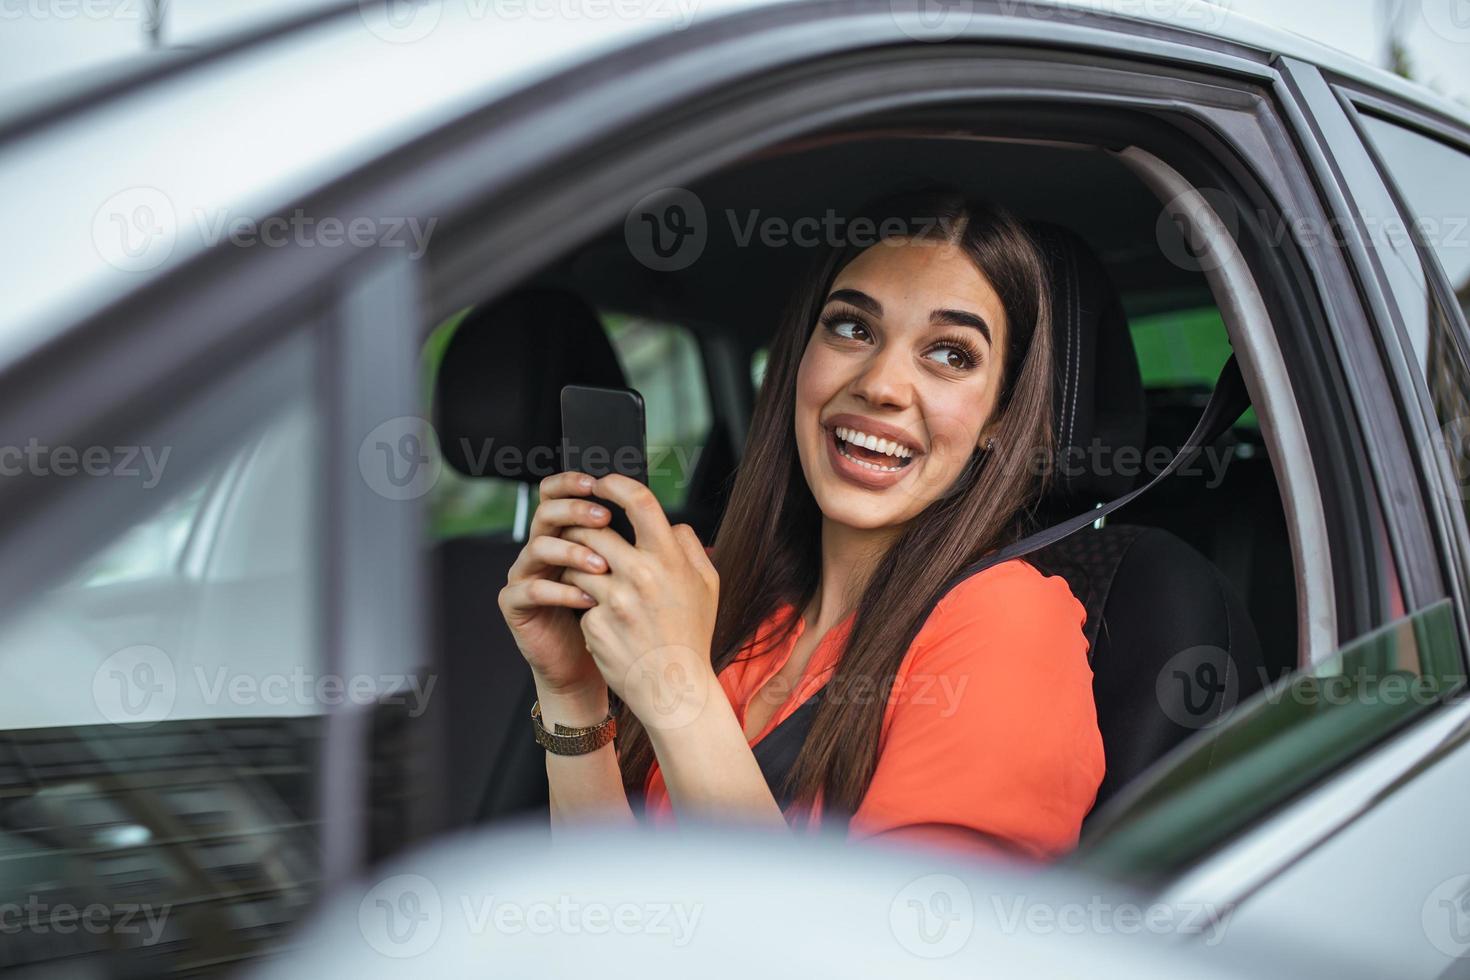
x=872, y=466
x=884, y=446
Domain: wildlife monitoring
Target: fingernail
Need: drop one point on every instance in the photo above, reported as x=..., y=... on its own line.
x=599, y=512
x=587, y=598
x=596, y=561
x=585, y=483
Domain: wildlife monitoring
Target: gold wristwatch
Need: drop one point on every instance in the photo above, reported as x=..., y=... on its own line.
x=572, y=741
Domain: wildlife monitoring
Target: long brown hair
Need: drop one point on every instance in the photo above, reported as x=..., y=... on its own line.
x=768, y=548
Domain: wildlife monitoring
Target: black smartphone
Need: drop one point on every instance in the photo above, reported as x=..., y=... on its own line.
x=602, y=432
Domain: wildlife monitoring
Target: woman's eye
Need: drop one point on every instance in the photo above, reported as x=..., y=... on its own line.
x=951, y=357
x=849, y=329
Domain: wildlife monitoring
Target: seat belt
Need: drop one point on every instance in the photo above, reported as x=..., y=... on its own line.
x=1228, y=402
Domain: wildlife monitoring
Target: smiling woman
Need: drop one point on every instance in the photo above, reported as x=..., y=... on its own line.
x=908, y=377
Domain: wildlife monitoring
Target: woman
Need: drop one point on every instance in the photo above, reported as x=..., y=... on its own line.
x=910, y=380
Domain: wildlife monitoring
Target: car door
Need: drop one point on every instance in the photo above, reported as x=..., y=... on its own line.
x=210, y=619
x=1373, y=854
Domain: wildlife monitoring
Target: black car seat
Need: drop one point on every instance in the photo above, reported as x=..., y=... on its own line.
x=1171, y=645
x=497, y=412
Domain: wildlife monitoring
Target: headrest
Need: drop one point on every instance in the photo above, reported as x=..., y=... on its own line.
x=1098, y=408
x=497, y=402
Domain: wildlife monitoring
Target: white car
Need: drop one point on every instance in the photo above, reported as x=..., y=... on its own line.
x=252, y=511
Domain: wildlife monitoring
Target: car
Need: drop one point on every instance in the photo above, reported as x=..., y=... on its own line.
x=278, y=368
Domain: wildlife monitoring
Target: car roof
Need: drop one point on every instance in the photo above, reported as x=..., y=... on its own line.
x=249, y=124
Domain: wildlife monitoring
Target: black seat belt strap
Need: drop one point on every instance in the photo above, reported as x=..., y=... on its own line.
x=1227, y=402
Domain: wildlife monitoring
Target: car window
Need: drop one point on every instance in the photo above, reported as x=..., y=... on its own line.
x=160, y=701
x=1433, y=180
x=1182, y=352
x=661, y=360
x=1288, y=736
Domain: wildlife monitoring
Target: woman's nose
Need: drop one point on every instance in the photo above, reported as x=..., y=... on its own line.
x=884, y=380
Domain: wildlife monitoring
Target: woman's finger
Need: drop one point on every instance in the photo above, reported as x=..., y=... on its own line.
x=550, y=552
x=558, y=512
x=694, y=551
x=606, y=542
x=567, y=483
x=528, y=595
x=650, y=525
x=599, y=587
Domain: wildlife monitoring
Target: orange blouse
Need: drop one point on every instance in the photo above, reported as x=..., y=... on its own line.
x=990, y=725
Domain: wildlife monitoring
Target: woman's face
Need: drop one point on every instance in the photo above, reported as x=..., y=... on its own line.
x=907, y=350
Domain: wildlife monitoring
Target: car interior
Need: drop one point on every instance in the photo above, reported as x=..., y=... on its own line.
x=1198, y=565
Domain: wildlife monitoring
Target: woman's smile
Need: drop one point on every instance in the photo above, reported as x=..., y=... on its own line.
x=866, y=453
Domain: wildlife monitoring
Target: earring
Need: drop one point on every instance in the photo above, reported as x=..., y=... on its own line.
x=989, y=443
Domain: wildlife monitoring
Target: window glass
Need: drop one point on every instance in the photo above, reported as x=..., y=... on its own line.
x=158, y=757
x=1280, y=742
x=1183, y=352
x=662, y=361
x=1433, y=179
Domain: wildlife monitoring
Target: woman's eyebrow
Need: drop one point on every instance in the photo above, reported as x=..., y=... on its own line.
x=960, y=318
x=857, y=298
x=954, y=318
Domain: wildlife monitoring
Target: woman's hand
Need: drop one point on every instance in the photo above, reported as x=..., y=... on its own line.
x=537, y=601
x=650, y=630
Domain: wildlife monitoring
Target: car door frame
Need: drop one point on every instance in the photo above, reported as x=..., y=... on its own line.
x=1401, y=272
x=513, y=190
